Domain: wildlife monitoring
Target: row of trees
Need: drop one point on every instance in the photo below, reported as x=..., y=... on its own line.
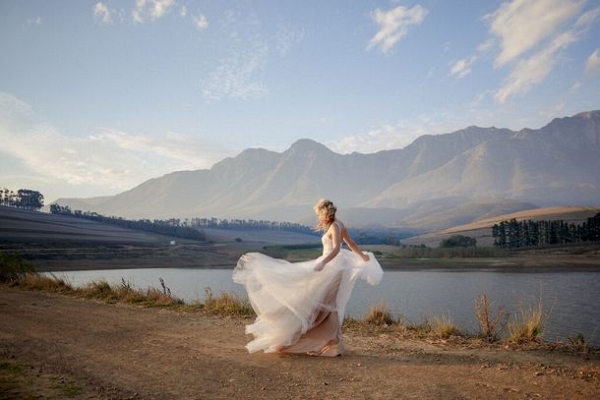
x=245, y=224
x=514, y=234
x=184, y=228
x=23, y=198
x=170, y=227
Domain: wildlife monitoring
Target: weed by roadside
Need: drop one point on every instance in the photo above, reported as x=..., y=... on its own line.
x=528, y=324
x=20, y=381
x=379, y=315
x=227, y=304
x=491, y=324
x=443, y=327
x=12, y=267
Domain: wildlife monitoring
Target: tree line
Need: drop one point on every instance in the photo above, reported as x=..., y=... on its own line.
x=22, y=198
x=246, y=224
x=188, y=228
x=169, y=227
x=514, y=234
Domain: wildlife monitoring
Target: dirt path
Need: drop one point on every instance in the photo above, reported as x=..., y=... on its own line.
x=62, y=347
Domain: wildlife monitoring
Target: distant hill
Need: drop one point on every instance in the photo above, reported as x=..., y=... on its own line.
x=25, y=225
x=482, y=229
x=20, y=225
x=436, y=182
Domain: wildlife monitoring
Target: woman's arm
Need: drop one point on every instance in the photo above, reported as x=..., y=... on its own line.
x=353, y=246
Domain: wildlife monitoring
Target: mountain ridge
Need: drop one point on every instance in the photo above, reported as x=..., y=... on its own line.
x=486, y=170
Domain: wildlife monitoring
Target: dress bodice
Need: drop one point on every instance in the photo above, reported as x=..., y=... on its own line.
x=327, y=244
x=327, y=241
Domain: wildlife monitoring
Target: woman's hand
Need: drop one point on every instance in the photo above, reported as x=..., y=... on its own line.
x=319, y=266
x=365, y=257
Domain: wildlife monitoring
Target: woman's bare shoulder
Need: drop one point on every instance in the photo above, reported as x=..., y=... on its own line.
x=340, y=224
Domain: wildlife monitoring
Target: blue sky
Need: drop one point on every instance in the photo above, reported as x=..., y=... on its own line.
x=97, y=97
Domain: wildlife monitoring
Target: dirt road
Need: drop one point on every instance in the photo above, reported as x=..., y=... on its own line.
x=63, y=347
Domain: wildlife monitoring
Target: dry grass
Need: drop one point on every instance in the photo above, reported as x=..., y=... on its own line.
x=491, y=325
x=12, y=267
x=33, y=281
x=528, y=326
x=443, y=327
x=379, y=319
x=227, y=304
x=101, y=290
x=124, y=293
x=379, y=315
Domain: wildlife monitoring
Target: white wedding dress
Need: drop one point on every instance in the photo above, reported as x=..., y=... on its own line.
x=300, y=310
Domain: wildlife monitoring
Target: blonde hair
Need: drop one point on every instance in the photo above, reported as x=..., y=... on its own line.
x=327, y=209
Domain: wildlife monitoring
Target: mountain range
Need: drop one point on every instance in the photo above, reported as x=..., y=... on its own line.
x=435, y=182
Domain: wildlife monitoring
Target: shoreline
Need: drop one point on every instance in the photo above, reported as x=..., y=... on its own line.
x=119, y=350
x=531, y=264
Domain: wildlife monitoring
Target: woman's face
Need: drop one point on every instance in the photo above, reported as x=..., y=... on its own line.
x=323, y=216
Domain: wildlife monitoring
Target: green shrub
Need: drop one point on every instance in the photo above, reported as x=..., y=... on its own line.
x=12, y=267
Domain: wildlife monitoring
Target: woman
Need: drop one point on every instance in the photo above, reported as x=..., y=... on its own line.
x=300, y=306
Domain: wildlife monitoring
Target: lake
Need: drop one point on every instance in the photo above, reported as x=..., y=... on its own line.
x=570, y=298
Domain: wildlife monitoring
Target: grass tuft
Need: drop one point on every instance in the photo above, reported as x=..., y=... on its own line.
x=528, y=326
x=420, y=330
x=52, y=283
x=443, y=326
x=227, y=304
x=491, y=325
x=378, y=315
x=12, y=267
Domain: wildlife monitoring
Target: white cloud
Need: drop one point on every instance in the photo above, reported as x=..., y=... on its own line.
x=107, y=158
x=200, y=21
x=102, y=13
x=485, y=46
x=592, y=64
x=238, y=76
x=588, y=18
x=393, y=25
x=37, y=21
x=554, y=110
x=462, y=68
x=13, y=109
x=286, y=38
x=521, y=25
x=533, y=70
x=393, y=136
x=153, y=9
x=183, y=11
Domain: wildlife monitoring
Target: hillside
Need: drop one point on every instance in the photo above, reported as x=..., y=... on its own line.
x=24, y=225
x=53, y=242
x=482, y=228
x=435, y=182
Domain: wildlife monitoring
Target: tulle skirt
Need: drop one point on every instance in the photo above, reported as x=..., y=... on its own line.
x=300, y=310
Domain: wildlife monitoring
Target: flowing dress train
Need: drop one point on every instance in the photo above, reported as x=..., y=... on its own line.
x=300, y=310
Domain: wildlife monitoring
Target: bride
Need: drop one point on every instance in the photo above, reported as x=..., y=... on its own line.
x=300, y=306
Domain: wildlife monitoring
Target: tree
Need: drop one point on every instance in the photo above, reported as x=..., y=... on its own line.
x=459, y=241
x=30, y=199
